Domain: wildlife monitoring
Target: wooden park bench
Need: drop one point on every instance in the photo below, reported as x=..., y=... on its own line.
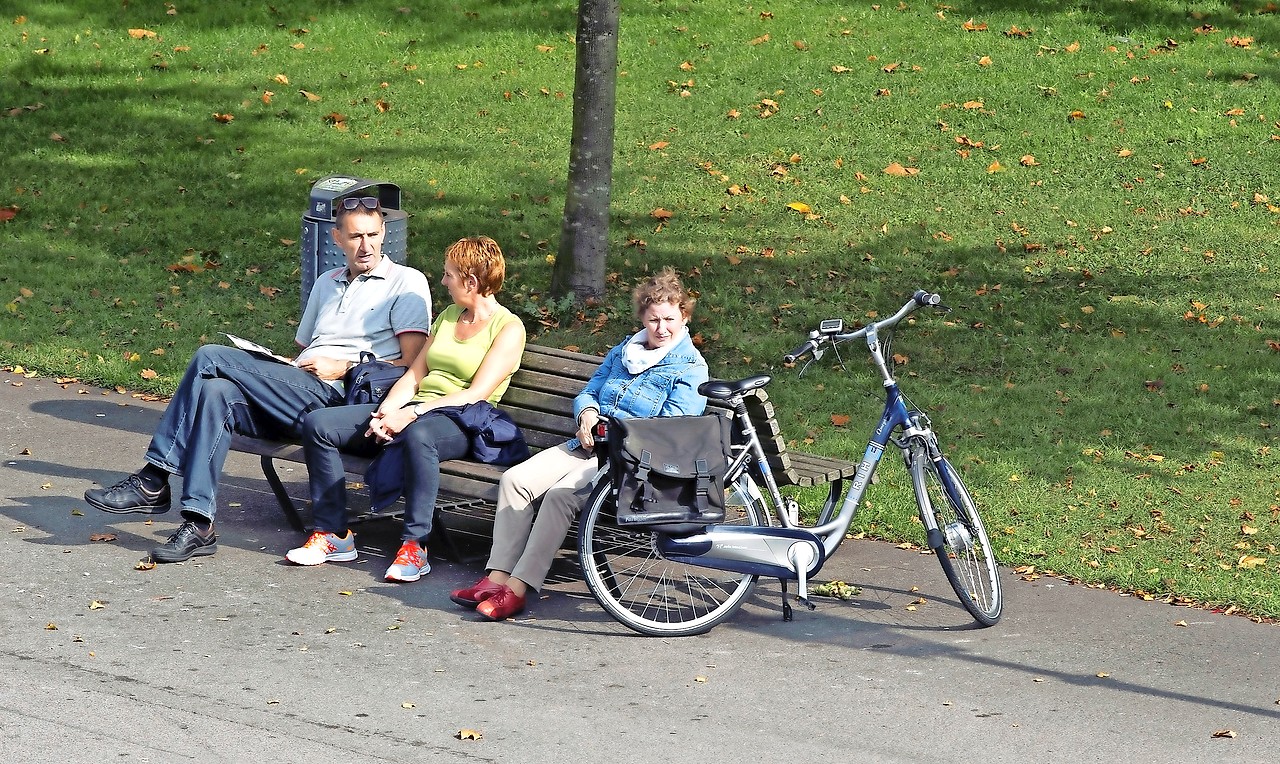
x=540, y=399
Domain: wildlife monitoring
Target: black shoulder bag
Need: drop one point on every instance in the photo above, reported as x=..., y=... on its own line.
x=369, y=380
x=668, y=472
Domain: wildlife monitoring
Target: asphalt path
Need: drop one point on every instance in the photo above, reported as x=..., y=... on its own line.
x=241, y=656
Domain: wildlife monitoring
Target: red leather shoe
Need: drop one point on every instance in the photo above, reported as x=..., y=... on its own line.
x=476, y=593
x=502, y=604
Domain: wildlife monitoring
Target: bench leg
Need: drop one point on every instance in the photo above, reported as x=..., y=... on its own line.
x=282, y=497
x=443, y=538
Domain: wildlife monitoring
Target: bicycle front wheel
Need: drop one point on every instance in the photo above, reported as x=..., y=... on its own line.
x=653, y=595
x=965, y=552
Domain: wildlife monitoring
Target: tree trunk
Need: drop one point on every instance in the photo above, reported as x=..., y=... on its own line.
x=584, y=235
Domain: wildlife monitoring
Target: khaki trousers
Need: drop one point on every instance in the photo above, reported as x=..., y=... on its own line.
x=522, y=545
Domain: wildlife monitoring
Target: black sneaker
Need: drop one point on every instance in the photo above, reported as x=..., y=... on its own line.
x=130, y=496
x=185, y=543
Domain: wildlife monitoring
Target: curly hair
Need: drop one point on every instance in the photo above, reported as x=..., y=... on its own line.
x=662, y=288
x=481, y=257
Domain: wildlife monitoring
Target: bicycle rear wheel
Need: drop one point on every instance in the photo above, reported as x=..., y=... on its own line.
x=650, y=594
x=965, y=552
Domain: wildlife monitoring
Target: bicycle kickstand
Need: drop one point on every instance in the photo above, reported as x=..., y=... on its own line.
x=786, y=605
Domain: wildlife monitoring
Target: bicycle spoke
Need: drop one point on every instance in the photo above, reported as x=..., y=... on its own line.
x=965, y=555
x=650, y=593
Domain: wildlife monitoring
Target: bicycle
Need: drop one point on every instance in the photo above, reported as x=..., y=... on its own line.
x=679, y=585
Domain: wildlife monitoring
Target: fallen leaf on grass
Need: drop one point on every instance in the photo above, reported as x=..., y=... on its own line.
x=898, y=170
x=142, y=34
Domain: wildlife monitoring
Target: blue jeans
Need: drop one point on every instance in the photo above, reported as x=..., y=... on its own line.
x=423, y=445
x=227, y=390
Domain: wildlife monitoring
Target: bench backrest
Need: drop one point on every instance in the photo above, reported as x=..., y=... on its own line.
x=540, y=399
x=540, y=396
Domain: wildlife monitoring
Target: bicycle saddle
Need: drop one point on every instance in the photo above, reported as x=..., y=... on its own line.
x=721, y=389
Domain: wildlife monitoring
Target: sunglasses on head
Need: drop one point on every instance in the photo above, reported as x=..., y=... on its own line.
x=355, y=202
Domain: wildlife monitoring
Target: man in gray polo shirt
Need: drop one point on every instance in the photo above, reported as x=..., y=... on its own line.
x=370, y=304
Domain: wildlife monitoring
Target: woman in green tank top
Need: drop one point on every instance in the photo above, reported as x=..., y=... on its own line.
x=474, y=348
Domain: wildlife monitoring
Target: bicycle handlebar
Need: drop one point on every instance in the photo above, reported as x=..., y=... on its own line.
x=808, y=347
x=920, y=299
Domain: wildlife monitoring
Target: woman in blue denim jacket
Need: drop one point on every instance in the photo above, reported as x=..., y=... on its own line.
x=655, y=372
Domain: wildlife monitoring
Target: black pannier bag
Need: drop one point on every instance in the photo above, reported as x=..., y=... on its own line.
x=668, y=472
x=371, y=379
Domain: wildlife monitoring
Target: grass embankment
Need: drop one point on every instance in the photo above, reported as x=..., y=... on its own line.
x=1088, y=185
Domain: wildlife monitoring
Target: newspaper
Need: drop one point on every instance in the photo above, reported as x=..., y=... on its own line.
x=259, y=350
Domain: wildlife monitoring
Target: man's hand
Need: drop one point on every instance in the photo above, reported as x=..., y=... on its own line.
x=325, y=368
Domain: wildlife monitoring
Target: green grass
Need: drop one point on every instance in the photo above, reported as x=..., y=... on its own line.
x=1106, y=380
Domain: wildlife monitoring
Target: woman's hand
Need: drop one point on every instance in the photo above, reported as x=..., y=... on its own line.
x=385, y=425
x=587, y=421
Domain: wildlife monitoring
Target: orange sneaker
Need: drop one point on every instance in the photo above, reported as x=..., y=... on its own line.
x=410, y=564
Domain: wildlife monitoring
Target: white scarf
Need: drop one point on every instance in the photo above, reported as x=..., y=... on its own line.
x=637, y=357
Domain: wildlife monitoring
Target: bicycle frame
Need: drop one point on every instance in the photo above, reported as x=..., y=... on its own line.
x=895, y=416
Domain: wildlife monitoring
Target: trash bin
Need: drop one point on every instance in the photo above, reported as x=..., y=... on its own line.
x=319, y=252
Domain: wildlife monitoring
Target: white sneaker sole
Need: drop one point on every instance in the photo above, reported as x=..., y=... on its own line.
x=310, y=561
x=393, y=576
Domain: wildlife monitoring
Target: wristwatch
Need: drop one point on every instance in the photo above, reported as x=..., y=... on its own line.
x=419, y=409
